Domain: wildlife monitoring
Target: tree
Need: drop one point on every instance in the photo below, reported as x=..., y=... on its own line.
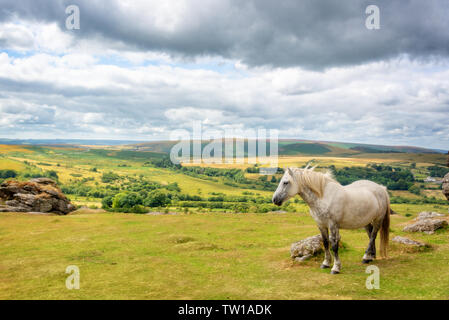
x=108, y=177
x=52, y=174
x=156, y=198
x=126, y=200
x=106, y=203
x=415, y=190
x=437, y=171
x=6, y=174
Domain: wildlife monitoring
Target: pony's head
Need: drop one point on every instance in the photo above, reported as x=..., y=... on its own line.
x=297, y=180
x=288, y=188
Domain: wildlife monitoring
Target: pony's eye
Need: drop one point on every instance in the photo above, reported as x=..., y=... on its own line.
x=286, y=182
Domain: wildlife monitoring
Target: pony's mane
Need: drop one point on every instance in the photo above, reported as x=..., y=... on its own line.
x=314, y=180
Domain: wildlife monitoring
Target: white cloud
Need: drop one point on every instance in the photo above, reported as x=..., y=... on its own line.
x=84, y=88
x=16, y=37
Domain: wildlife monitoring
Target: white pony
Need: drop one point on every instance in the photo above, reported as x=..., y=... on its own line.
x=333, y=207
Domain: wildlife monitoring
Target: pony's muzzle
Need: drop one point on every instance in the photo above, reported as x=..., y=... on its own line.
x=277, y=201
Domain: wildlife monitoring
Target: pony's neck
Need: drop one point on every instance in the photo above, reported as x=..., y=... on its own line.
x=312, y=186
x=309, y=197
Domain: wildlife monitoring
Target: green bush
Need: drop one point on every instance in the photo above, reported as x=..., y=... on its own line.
x=6, y=174
x=392, y=178
x=138, y=209
x=415, y=190
x=106, y=203
x=156, y=198
x=438, y=171
x=126, y=200
x=109, y=177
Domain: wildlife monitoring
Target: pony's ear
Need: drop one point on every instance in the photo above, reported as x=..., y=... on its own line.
x=290, y=172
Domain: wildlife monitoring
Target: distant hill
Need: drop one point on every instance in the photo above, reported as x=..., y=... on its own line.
x=291, y=147
x=305, y=148
x=287, y=147
x=54, y=142
x=366, y=148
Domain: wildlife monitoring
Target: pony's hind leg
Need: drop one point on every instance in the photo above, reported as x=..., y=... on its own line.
x=334, y=240
x=327, y=254
x=369, y=229
x=370, y=253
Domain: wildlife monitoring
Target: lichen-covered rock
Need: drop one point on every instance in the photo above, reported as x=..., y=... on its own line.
x=307, y=248
x=36, y=195
x=445, y=185
x=426, y=225
x=408, y=241
x=429, y=215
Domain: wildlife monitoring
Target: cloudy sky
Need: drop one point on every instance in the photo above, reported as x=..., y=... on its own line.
x=139, y=69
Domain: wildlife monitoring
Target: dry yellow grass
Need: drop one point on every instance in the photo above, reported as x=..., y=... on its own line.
x=6, y=148
x=298, y=161
x=11, y=165
x=434, y=193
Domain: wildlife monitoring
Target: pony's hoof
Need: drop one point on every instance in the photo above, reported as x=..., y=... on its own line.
x=323, y=266
x=335, y=272
x=366, y=261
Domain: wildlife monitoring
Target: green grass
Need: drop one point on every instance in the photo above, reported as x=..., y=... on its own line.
x=204, y=256
x=305, y=148
x=80, y=162
x=199, y=256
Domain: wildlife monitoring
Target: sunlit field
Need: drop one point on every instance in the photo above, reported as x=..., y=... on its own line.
x=200, y=253
x=204, y=256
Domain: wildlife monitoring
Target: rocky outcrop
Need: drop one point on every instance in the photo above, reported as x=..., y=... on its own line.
x=429, y=215
x=445, y=186
x=408, y=242
x=428, y=226
x=36, y=195
x=307, y=248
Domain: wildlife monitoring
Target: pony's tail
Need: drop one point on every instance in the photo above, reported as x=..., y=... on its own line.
x=385, y=231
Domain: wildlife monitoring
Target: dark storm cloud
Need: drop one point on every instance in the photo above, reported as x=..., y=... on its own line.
x=50, y=88
x=309, y=33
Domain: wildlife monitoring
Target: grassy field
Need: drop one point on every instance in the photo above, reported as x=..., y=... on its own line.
x=201, y=255
x=73, y=164
x=205, y=256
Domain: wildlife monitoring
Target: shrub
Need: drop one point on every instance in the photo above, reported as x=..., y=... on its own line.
x=106, y=203
x=415, y=190
x=156, y=198
x=126, y=200
x=52, y=174
x=438, y=171
x=138, y=209
x=6, y=174
x=109, y=177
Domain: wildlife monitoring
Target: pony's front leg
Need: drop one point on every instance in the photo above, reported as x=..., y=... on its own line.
x=327, y=254
x=334, y=239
